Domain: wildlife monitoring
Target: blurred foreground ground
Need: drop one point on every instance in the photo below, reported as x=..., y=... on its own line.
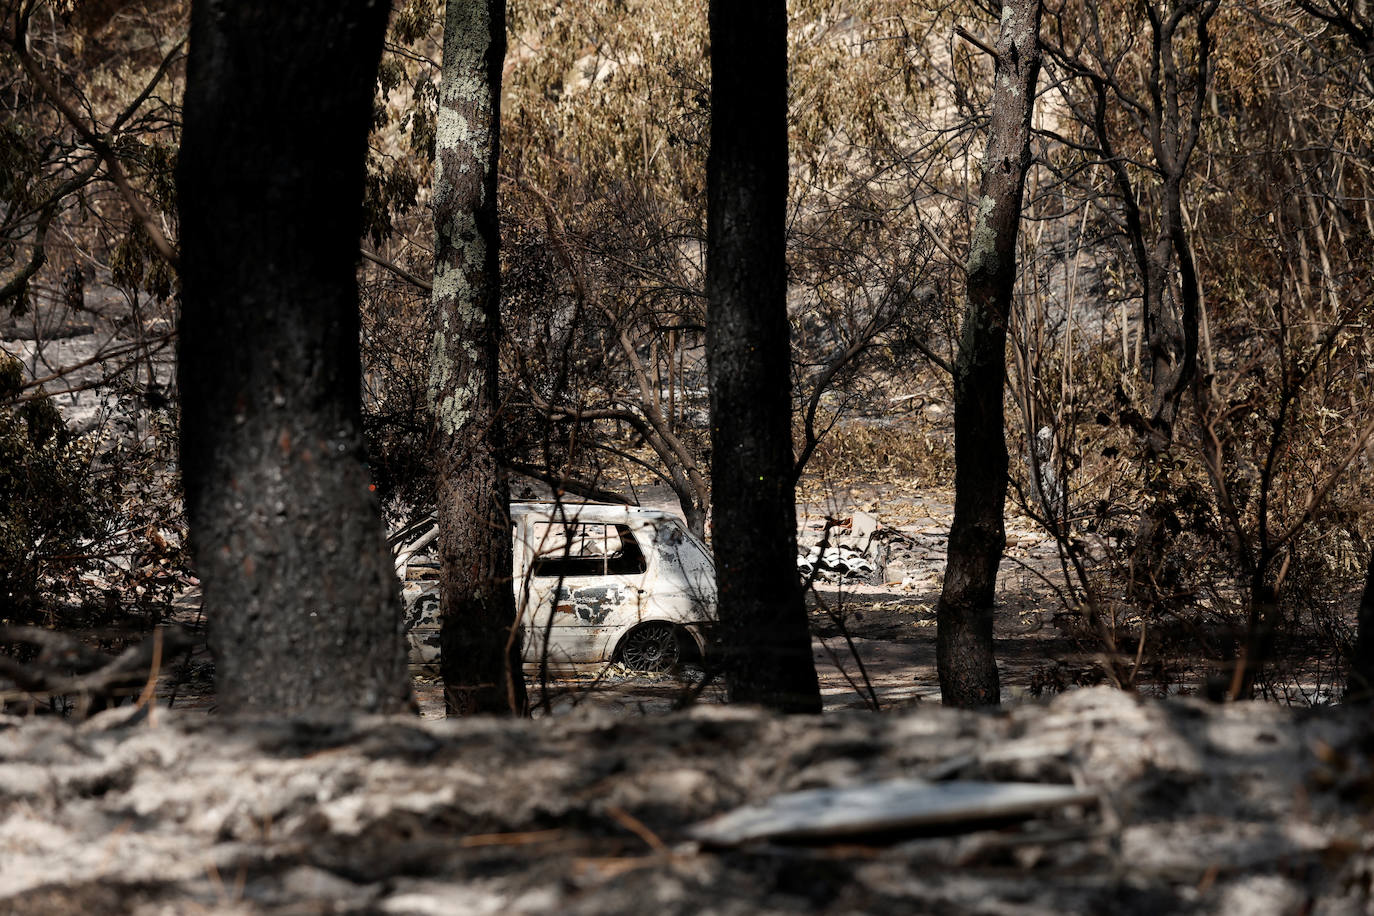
x=1245, y=808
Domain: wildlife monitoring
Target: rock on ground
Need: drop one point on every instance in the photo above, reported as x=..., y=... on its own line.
x=1245, y=808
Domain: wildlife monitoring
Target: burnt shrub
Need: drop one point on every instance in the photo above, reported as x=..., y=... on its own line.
x=48, y=510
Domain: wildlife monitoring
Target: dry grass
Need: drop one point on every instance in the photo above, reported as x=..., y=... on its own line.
x=918, y=448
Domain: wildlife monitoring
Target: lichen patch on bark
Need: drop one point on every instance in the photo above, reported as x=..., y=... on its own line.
x=982, y=252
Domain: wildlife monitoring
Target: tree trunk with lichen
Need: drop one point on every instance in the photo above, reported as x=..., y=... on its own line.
x=299, y=590
x=964, y=649
x=478, y=637
x=767, y=642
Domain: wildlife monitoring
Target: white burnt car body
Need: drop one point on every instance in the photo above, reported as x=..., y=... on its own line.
x=593, y=583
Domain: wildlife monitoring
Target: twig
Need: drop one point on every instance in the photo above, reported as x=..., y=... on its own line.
x=978, y=43
x=153, y=344
x=871, y=698
x=155, y=668
x=527, y=838
x=397, y=269
x=573, y=485
x=99, y=144
x=636, y=826
x=126, y=670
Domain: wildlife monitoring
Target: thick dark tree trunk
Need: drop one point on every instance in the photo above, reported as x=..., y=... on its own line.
x=300, y=593
x=964, y=651
x=1360, y=686
x=767, y=643
x=481, y=651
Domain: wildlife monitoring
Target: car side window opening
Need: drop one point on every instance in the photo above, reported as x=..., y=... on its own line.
x=580, y=550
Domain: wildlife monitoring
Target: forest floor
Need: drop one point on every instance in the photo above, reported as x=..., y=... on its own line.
x=1174, y=806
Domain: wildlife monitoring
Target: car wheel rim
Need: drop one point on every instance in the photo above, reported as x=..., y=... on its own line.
x=652, y=647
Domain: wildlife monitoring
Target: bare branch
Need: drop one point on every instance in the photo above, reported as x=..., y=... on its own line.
x=97, y=675
x=100, y=145
x=567, y=483
x=978, y=43
x=397, y=269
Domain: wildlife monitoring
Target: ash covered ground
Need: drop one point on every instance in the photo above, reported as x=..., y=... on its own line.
x=1244, y=808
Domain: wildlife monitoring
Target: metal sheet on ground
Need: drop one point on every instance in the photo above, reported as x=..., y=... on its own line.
x=885, y=806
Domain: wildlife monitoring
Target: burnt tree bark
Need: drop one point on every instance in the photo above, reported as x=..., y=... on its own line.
x=767, y=643
x=964, y=649
x=480, y=649
x=299, y=589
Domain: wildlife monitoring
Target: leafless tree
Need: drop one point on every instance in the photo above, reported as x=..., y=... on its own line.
x=967, y=665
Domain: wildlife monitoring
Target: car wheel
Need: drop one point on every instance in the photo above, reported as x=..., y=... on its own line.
x=651, y=647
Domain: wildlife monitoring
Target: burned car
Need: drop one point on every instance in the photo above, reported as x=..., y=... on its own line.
x=593, y=582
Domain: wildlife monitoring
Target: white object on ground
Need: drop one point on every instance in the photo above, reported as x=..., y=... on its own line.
x=899, y=803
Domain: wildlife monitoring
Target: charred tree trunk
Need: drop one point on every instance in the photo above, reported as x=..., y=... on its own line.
x=767, y=642
x=479, y=644
x=299, y=588
x=964, y=651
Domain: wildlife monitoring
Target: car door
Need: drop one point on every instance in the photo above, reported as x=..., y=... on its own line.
x=583, y=581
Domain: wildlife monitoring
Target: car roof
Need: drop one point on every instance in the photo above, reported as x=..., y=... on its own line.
x=586, y=512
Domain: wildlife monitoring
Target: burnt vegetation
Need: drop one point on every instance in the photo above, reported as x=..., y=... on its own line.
x=1180, y=354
